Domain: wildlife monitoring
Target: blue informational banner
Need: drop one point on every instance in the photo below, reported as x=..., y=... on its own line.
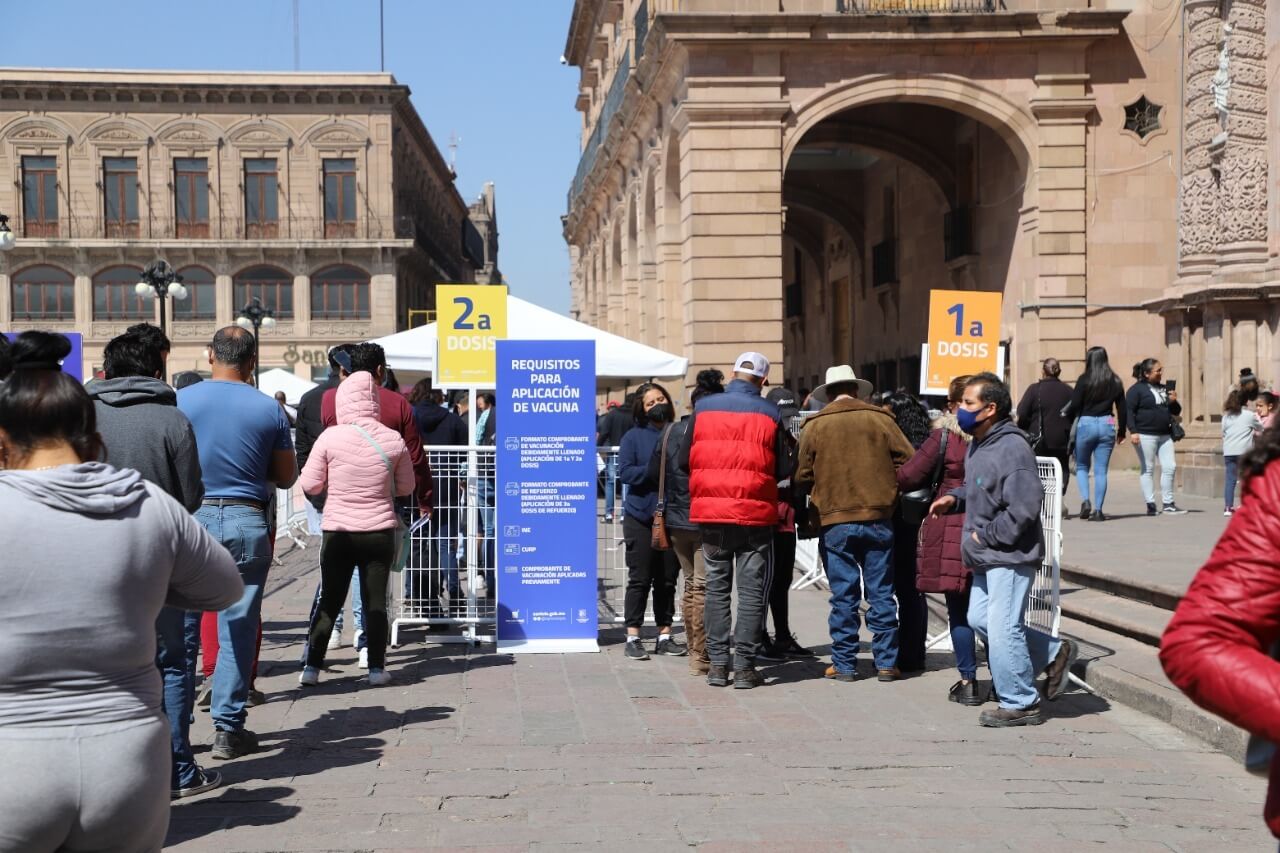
x=546, y=485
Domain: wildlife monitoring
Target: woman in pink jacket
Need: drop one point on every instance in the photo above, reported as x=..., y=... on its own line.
x=359, y=465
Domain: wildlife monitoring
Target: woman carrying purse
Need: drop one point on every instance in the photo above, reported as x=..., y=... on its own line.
x=939, y=465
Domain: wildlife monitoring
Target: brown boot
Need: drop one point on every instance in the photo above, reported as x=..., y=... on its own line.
x=695, y=633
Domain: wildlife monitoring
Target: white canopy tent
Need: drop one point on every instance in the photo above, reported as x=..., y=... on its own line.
x=618, y=361
x=278, y=379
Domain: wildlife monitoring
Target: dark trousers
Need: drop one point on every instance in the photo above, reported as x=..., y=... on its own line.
x=913, y=613
x=1232, y=471
x=1064, y=459
x=648, y=569
x=784, y=569
x=340, y=553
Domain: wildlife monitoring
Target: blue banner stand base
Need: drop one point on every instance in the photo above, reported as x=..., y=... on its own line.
x=548, y=647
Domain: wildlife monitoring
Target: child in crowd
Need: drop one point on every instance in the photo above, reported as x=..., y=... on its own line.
x=1265, y=406
x=1239, y=426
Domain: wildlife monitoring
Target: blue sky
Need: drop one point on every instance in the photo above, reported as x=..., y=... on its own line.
x=485, y=70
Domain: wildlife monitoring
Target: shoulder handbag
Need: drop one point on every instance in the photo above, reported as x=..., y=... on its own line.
x=1036, y=436
x=402, y=533
x=915, y=504
x=659, y=540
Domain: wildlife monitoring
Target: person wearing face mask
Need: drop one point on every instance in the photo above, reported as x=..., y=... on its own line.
x=1003, y=543
x=647, y=568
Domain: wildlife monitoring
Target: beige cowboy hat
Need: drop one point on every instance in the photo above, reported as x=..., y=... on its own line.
x=842, y=374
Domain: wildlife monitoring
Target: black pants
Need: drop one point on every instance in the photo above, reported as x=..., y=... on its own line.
x=1067, y=462
x=340, y=553
x=784, y=569
x=648, y=569
x=913, y=613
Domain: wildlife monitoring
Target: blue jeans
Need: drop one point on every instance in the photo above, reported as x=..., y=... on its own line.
x=1015, y=653
x=1232, y=464
x=962, y=640
x=485, y=492
x=610, y=483
x=242, y=530
x=861, y=551
x=1095, y=439
x=444, y=524
x=176, y=661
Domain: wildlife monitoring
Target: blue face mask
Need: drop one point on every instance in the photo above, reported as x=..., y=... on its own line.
x=968, y=420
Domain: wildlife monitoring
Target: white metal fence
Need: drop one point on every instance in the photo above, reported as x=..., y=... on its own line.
x=1044, y=612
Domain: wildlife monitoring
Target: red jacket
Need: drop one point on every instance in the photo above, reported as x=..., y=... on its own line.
x=396, y=414
x=938, y=564
x=1217, y=647
x=734, y=458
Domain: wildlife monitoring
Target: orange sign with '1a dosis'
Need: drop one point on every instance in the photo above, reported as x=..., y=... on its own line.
x=964, y=337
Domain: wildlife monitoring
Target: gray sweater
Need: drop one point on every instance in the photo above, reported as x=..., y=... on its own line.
x=91, y=554
x=1001, y=498
x=143, y=429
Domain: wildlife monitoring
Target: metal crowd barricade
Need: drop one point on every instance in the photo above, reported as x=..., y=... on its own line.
x=291, y=516
x=448, y=581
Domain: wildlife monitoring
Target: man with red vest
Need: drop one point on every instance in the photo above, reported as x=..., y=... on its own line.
x=735, y=457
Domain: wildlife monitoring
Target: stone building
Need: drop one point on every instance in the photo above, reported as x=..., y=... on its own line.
x=795, y=176
x=322, y=195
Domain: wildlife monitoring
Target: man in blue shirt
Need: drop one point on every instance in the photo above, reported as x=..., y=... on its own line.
x=245, y=451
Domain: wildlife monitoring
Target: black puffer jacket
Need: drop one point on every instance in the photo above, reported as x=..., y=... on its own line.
x=308, y=427
x=677, y=497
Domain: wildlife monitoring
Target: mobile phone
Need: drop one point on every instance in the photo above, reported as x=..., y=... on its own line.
x=1171, y=385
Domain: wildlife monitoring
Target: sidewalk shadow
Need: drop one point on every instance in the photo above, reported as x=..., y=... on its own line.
x=194, y=819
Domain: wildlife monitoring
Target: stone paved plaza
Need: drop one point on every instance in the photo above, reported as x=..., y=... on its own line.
x=470, y=749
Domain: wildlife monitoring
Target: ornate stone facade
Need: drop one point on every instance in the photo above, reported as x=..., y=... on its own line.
x=400, y=229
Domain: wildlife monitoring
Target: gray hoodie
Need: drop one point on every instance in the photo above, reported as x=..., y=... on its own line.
x=143, y=429
x=1001, y=498
x=91, y=554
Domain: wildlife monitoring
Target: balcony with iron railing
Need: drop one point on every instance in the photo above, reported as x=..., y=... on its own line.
x=227, y=228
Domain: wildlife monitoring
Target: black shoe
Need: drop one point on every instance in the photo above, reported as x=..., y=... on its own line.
x=966, y=694
x=1173, y=509
x=1001, y=718
x=769, y=652
x=790, y=647
x=256, y=698
x=717, y=676
x=635, y=650
x=1151, y=510
x=228, y=745
x=1098, y=516
x=206, y=780
x=670, y=647
x=746, y=678
x=1085, y=511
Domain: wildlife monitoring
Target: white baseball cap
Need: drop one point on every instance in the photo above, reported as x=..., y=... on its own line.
x=753, y=363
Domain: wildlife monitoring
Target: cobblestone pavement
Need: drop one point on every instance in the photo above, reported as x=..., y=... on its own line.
x=472, y=749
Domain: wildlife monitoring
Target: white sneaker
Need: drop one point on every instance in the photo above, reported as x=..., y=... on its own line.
x=364, y=658
x=335, y=640
x=379, y=677
x=310, y=677
x=355, y=639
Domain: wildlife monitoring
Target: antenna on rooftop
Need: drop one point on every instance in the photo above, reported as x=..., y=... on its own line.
x=297, y=40
x=454, y=142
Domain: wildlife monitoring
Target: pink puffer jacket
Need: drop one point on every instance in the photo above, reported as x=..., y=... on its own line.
x=346, y=466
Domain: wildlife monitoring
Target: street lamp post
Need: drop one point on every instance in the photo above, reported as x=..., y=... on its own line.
x=160, y=281
x=7, y=237
x=254, y=316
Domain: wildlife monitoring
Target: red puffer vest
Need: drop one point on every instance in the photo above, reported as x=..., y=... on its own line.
x=1216, y=648
x=733, y=459
x=938, y=564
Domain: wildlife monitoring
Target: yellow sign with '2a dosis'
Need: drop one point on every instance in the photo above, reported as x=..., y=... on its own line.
x=469, y=321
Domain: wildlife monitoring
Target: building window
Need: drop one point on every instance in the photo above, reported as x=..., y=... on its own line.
x=272, y=285
x=114, y=297
x=120, y=196
x=261, y=199
x=340, y=293
x=202, y=295
x=1142, y=117
x=191, y=196
x=40, y=196
x=340, y=198
x=43, y=293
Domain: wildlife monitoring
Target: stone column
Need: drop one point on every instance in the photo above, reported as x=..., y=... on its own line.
x=1198, y=194
x=1062, y=107
x=731, y=255
x=1243, y=221
x=225, y=308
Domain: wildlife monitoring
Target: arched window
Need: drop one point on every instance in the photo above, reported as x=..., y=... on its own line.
x=272, y=285
x=202, y=295
x=43, y=293
x=340, y=293
x=114, y=297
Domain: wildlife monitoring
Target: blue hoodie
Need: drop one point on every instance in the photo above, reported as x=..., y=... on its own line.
x=1001, y=498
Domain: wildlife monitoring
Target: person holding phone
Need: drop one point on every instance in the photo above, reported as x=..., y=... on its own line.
x=1152, y=407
